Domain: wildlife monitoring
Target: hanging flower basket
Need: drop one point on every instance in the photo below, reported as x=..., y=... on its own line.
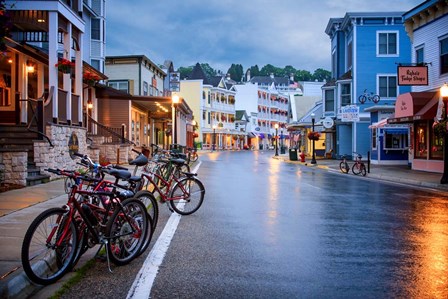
x=440, y=128
x=65, y=65
x=90, y=78
x=313, y=135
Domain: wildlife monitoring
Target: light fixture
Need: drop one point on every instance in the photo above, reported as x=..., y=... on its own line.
x=9, y=60
x=30, y=68
x=175, y=99
x=444, y=90
x=89, y=104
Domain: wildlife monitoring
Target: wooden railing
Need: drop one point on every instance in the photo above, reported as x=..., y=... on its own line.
x=110, y=134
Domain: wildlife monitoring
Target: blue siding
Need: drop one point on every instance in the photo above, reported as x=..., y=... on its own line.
x=344, y=140
x=363, y=139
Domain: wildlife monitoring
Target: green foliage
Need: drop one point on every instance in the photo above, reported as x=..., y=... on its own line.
x=5, y=25
x=208, y=70
x=321, y=74
x=302, y=75
x=254, y=71
x=236, y=72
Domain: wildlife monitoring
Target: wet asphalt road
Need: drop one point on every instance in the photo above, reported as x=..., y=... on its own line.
x=270, y=229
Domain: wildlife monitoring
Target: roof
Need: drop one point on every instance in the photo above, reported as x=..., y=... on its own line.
x=268, y=80
x=197, y=73
x=239, y=114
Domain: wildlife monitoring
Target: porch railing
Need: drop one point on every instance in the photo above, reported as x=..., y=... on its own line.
x=110, y=134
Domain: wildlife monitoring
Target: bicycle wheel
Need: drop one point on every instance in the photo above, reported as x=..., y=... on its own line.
x=356, y=169
x=362, y=99
x=151, y=205
x=375, y=98
x=343, y=166
x=127, y=231
x=363, y=169
x=187, y=196
x=43, y=260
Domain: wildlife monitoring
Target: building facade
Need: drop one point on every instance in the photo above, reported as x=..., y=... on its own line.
x=365, y=51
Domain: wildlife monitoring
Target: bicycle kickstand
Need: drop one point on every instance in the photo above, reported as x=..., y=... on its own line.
x=104, y=244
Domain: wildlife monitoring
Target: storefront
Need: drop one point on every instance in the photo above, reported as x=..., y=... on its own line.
x=418, y=110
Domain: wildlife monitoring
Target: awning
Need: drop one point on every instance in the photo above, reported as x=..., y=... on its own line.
x=397, y=131
x=415, y=106
x=251, y=135
x=379, y=124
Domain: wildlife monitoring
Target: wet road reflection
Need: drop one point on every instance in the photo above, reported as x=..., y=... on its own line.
x=273, y=229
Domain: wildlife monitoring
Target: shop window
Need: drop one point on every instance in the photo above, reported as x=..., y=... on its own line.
x=395, y=141
x=421, y=146
x=436, y=152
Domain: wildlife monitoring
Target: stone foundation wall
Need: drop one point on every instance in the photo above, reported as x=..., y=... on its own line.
x=13, y=166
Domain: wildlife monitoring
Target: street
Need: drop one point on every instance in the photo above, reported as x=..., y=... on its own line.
x=269, y=229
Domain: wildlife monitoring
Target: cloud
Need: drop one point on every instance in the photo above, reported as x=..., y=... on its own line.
x=247, y=32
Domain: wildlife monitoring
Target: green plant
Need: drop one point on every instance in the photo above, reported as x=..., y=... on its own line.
x=440, y=128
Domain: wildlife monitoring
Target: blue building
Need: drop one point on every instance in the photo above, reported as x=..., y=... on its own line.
x=365, y=51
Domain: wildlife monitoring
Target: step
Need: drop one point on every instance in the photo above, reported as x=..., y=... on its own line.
x=37, y=179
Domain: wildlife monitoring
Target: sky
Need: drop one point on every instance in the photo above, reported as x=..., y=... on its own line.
x=222, y=32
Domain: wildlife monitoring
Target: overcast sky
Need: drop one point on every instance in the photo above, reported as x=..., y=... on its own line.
x=222, y=32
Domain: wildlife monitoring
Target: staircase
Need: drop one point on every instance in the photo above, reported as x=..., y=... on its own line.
x=18, y=137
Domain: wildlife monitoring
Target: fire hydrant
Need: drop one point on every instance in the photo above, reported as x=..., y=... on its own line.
x=302, y=157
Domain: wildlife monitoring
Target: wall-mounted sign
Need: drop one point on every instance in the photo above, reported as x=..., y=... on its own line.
x=73, y=145
x=412, y=75
x=350, y=113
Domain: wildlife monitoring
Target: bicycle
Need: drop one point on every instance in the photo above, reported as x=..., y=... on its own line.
x=368, y=96
x=58, y=236
x=359, y=167
x=192, y=154
x=185, y=193
x=343, y=166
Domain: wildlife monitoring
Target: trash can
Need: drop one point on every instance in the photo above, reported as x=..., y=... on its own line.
x=260, y=147
x=293, y=154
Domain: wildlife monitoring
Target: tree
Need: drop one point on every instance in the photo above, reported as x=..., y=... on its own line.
x=321, y=75
x=185, y=71
x=208, y=70
x=236, y=72
x=5, y=25
x=288, y=70
x=302, y=75
x=254, y=71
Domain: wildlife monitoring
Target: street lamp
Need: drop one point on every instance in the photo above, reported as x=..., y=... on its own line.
x=214, y=137
x=276, y=139
x=444, y=95
x=175, y=102
x=313, y=160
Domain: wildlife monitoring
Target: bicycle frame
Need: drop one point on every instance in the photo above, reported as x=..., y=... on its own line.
x=168, y=183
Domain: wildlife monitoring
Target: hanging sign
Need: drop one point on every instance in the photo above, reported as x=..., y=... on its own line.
x=175, y=82
x=412, y=75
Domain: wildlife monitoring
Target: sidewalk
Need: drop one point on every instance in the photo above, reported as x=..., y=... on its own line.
x=18, y=208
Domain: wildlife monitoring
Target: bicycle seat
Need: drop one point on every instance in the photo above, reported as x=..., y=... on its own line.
x=120, y=174
x=177, y=161
x=141, y=160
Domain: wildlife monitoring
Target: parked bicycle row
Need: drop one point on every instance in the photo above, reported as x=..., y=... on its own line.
x=111, y=207
x=358, y=166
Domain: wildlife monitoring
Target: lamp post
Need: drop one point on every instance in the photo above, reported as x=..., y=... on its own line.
x=175, y=102
x=276, y=139
x=214, y=137
x=313, y=160
x=444, y=95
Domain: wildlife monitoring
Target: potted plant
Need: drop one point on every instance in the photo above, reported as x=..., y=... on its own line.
x=440, y=128
x=90, y=78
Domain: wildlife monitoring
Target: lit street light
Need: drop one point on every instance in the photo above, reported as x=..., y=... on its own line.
x=444, y=95
x=313, y=160
x=276, y=139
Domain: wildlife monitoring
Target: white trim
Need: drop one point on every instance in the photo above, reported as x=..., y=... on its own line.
x=378, y=84
x=378, y=44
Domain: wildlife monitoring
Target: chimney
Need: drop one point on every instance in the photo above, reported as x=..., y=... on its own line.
x=272, y=75
x=248, y=75
x=291, y=77
x=228, y=76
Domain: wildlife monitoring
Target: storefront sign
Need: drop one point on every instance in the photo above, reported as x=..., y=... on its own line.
x=175, y=82
x=350, y=113
x=73, y=145
x=412, y=75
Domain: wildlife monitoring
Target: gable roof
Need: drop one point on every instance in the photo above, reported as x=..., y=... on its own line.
x=197, y=73
x=268, y=80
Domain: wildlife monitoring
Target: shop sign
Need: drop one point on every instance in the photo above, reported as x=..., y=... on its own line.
x=412, y=75
x=73, y=145
x=175, y=82
x=350, y=113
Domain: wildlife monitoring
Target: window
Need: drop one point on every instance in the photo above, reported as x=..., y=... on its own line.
x=345, y=94
x=119, y=85
x=387, y=43
x=421, y=147
x=349, y=55
x=329, y=100
x=95, y=29
x=145, y=88
x=419, y=58
x=395, y=141
x=387, y=86
x=95, y=63
x=209, y=118
x=444, y=56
